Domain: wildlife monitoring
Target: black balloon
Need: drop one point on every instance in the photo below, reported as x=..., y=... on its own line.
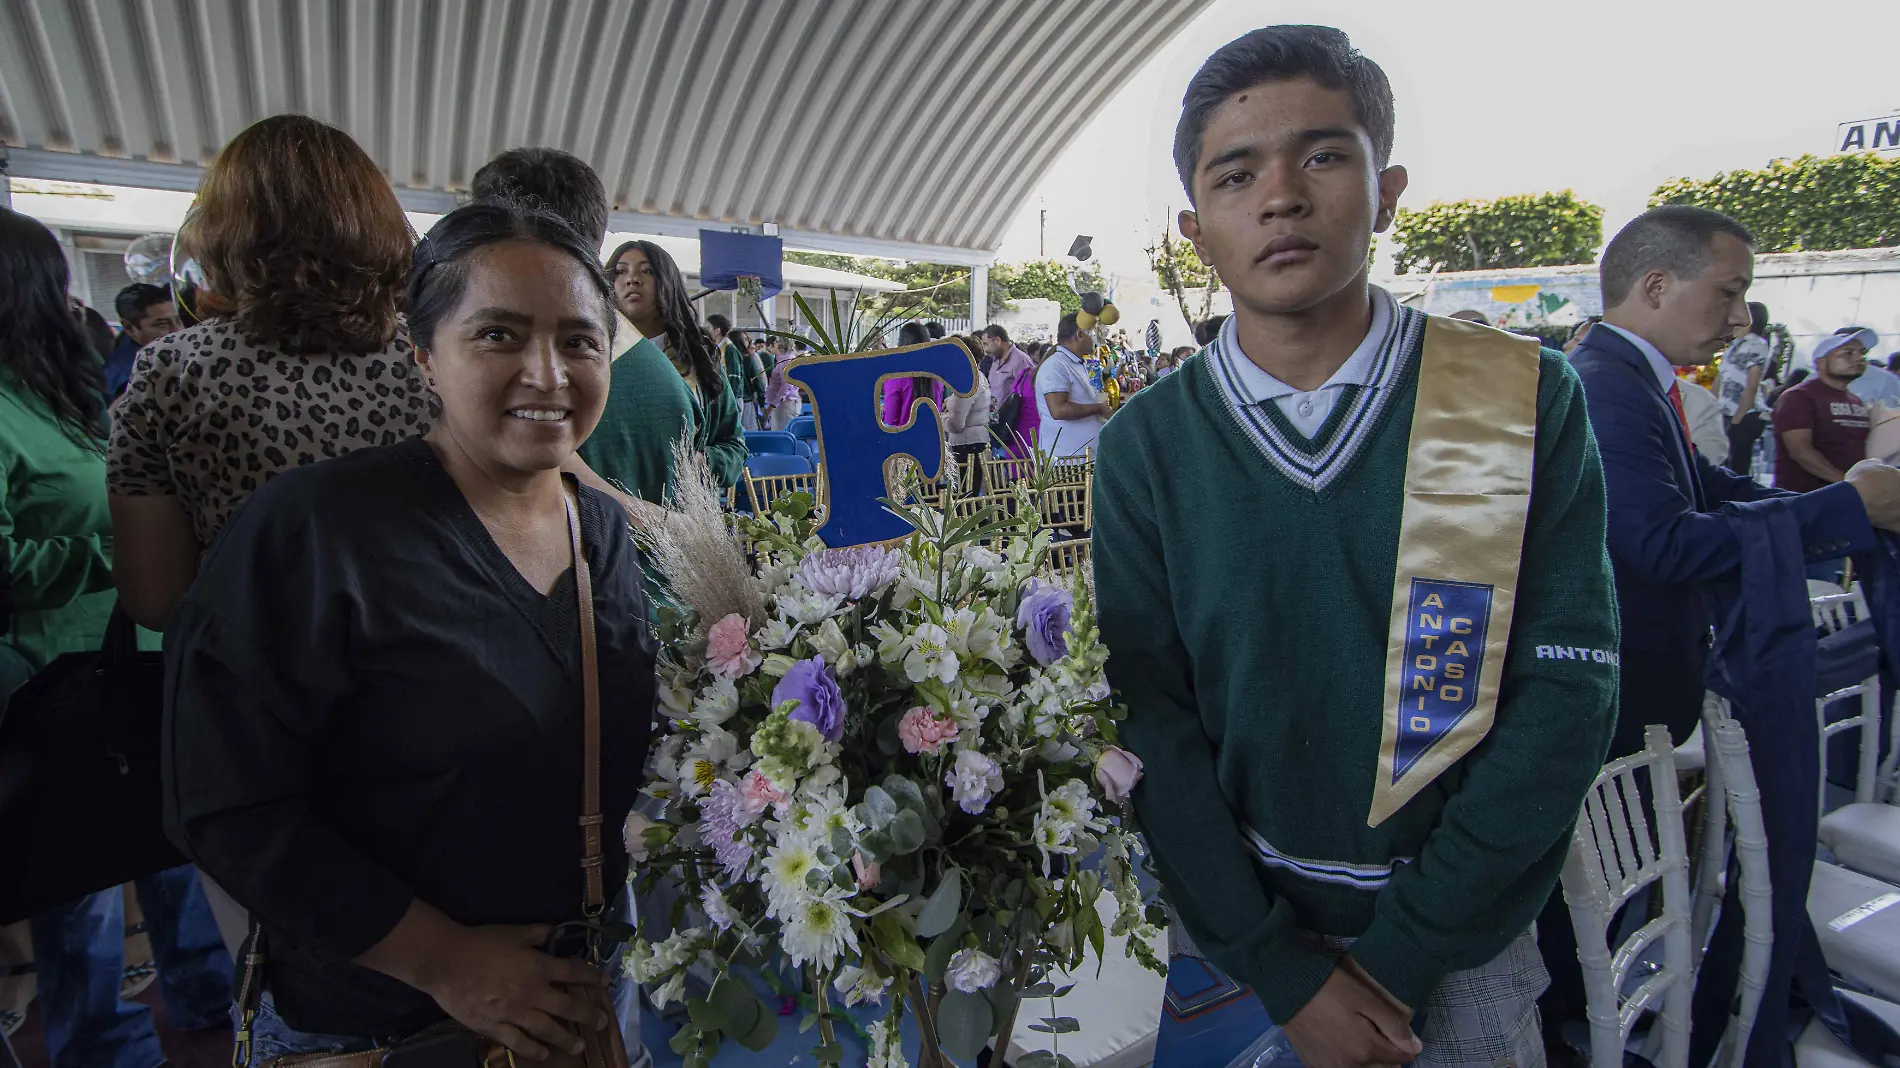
x=1092, y=303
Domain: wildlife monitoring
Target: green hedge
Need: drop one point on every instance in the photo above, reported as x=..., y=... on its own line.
x=1811, y=204
x=1533, y=230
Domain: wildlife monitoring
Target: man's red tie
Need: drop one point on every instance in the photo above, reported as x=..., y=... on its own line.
x=1682, y=417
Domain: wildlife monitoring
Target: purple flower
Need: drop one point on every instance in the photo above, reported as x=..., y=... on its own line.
x=1044, y=617
x=819, y=702
x=849, y=573
x=719, y=823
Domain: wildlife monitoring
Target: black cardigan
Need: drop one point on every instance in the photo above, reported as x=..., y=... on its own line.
x=366, y=703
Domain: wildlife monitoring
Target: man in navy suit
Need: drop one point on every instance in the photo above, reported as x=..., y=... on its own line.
x=1674, y=287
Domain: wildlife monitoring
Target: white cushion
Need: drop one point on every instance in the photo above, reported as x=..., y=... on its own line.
x=1818, y=1048
x=1866, y=838
x=1120, y=1012
x=1858, y=921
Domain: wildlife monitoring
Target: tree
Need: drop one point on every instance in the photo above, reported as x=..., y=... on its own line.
x=1540, y=230
x=1178, y=267
x=1811, y=204
x=1047, y=279
x=932, y=290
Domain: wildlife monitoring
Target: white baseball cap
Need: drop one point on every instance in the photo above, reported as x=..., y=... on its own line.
x=1867, y=338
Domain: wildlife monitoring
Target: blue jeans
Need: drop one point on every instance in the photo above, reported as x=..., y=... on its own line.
x=79, y=956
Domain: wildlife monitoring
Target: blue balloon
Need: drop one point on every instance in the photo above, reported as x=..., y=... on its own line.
x=853, y=442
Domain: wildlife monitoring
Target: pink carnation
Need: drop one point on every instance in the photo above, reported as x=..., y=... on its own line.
x=922, y=732
x=729, y=648
x=756, y=794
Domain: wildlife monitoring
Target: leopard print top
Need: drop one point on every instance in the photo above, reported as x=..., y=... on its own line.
x=209, y=416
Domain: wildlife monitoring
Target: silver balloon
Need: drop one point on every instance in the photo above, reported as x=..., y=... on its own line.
x=149, y=259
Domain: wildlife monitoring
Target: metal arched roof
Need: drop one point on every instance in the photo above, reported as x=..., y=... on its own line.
x=911, y=128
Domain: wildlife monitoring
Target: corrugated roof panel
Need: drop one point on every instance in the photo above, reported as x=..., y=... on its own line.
x=886, y=124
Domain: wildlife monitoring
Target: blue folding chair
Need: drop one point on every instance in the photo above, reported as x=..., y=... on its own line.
x=804, y=428
x=776, y=442
x=774, y=471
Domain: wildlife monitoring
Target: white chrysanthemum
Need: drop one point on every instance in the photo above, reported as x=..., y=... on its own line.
x=791, y=859
x=1070, y=802
x=972, y=970
x=717, y=910
x=717, y=702
x=818, y=929
x=776, y=634
x=804, y=606
x=931, y=655
x=828, y=812
x=857, y=985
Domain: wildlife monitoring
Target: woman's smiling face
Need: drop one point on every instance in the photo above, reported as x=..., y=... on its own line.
x=521, y=363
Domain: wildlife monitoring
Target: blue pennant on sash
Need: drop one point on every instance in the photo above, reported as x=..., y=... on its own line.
x=1444, y=655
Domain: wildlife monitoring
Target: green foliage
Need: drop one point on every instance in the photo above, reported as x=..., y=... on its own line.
x=1541, y=230
x=1047, y=279
x=1178, y=268
x=1811, y=204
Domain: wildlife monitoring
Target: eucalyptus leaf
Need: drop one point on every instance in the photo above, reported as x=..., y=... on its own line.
x=904, y=791
x=964, y=1024
x=810, y=1021
x=704, y=1014
x=684, y=1039
x=841, y=842
x=876, y=847
x=1041, y=1058
x=1060, y=1025
x=941, y=910
x=1002, y=999
x=907, y=832
x=880, y=807
x=891, y=937
x=762, y=1033
x=829, y=1053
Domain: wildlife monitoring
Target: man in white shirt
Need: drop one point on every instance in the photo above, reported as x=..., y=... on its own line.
x=1072, y=409
x=1876, y=385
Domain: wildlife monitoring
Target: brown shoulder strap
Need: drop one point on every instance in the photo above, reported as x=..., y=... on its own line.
x=595, y=896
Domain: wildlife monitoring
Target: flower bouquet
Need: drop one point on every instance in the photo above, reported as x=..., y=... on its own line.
x=884, y=767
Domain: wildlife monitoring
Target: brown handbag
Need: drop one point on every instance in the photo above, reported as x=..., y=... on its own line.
x=605, y=1048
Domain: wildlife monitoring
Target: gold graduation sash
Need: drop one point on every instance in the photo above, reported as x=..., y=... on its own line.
x=1467, y=492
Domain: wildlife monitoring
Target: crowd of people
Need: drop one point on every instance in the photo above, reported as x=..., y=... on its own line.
x=375, y=496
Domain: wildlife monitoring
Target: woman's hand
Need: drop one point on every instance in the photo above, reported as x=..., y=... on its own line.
x=496, y=982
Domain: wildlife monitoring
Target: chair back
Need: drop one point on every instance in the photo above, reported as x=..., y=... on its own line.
x=1867, y=775
x=1068, y=557
x=772, y=442
x=803, y=427
x=1732, y=799
x=965, y=507
x=1001, y=474
x=1067, y=505
x=1612, y=856
x=762, y=491
x=1833, y=609
x=771, y=463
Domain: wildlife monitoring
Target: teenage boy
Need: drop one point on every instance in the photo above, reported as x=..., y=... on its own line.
x=1351, y=571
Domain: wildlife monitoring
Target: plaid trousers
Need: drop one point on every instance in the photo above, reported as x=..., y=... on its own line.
x=1483, y=1017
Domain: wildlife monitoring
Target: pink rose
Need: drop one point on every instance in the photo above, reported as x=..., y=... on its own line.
x=756, y=794
x=922, y=732
x=729, y=648
x=1118, y=771
x=870, y=873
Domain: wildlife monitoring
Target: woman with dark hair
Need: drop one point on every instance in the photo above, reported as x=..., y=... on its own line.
x=300, y=357
x=900, y=393
x=1744, y=407
x=650, y=291
x=56, y=545
x=379, y=701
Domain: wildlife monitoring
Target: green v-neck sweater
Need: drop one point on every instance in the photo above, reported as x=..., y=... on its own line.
x=1246, y=619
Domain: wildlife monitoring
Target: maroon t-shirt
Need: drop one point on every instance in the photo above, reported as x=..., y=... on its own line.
x=1838, y=420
